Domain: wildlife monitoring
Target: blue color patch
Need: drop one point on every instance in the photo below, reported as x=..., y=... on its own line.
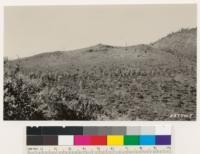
x=147, y=140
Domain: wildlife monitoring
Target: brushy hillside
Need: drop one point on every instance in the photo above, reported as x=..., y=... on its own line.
x=103, y=82
x=181, y=43
x=142, y=55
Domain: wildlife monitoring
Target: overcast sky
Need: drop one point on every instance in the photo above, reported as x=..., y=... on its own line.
x=30, y=30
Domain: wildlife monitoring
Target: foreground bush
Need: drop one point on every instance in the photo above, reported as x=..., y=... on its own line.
x=18, y=96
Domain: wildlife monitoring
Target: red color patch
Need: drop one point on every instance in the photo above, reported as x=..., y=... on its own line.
x=99, y=140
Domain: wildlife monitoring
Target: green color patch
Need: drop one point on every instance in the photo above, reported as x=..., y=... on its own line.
x=131, y=140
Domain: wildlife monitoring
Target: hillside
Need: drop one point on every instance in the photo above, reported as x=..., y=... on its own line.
x=104, y=82
x=181, y=43
x=165, y=51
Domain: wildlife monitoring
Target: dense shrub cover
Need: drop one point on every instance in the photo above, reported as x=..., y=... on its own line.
x=119, y=93
x=26, y=98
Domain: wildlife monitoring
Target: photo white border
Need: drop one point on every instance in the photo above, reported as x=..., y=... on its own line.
x=180, y=127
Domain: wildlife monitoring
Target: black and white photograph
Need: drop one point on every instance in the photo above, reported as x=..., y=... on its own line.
x=100, y=62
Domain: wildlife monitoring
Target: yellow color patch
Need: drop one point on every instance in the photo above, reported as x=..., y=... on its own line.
x=115, y=140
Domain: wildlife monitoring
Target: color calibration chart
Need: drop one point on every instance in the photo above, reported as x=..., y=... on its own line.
x=99, y=140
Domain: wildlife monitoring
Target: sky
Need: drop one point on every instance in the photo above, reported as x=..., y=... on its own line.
x=30, y=30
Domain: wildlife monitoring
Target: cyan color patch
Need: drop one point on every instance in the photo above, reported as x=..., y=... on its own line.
x=147, y=140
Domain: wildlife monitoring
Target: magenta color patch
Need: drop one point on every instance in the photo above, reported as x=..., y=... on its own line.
x=82, y=140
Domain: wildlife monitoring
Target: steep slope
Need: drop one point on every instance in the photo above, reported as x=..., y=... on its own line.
x=181, y=43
